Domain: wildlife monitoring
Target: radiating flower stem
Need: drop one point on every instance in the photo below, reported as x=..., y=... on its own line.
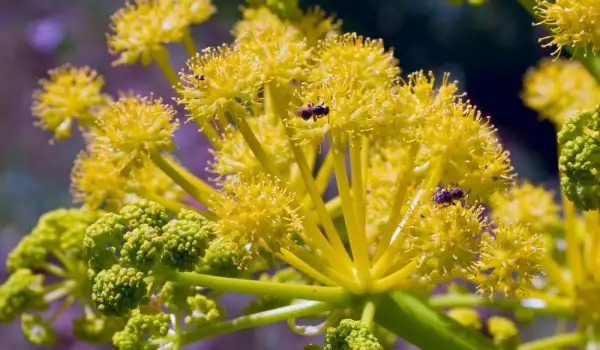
x=188, y=42
x=388, y=283
x=358, y=242
x=358, y=186
x=202, y=194
x=473, y=300
x=161, y=57
x=334, y=295
x=317, y=200
x=176, y=206
x=403, y=179
x=256, y=320
x=554, y=342
x=574, y=259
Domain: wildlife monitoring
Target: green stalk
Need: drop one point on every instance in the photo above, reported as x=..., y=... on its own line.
x=188, y=42
x=333, y=295
x=411, y=319
x=161, y=57
x=255, y=320
x=202, y=194
x=368, y=313
x=591, y=62
x=554, y=342
x=472, y=300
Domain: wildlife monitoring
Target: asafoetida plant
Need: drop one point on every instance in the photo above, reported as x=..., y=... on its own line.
x=291, y=103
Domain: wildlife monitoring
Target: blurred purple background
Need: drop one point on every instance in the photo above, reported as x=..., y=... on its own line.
x=487, y=49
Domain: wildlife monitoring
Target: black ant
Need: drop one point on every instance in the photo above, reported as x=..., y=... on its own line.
x=447, y=197
x=199, y=77
x=313, y=111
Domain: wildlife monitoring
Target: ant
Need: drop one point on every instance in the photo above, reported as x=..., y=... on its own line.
x=447, y=197
x=200, y=77
x=313, y=111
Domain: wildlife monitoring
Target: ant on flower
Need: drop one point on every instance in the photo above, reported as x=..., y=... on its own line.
x=447, y=197
x=313, y=111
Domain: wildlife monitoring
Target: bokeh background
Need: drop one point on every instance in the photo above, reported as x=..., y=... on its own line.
x=487, y=48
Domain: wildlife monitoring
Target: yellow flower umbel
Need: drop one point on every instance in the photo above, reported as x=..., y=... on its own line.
x=69, y=94
x=141, y=28
x=257, y=209
x=558, y=89
x=196, y=11
x=527, y=204
x=573, y=23
x=134, y=128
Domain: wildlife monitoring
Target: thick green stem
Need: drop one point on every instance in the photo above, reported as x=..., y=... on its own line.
x=591, y=62
x=414, y=321
x=188, y=42
x=554, y=342
x=333, y=295
x=161, y=57
x=471, y=300
x=256, y=320
x=368, y=313
x=203, y=193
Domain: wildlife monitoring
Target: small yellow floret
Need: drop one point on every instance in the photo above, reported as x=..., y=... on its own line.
x=472, y=155
x=503, y=330
x=573, y=23
x=558, y=89
x=279, y=49
x=215, y=79
x=234, y=155
x=449, y=237
x=351, y=56
x=511, y=259
x=196, y=11
x=69, y=94
x=315, y=26
x=257, y=209
x=140, y=29
x=466, y=316
x=527, y=204
x=134, y=127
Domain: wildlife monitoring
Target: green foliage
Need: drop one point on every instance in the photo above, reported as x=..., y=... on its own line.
x=97, y=329
x=142, y=248
x=141, y=330
x=22, y=292
x=144, y=212
x=351, y=335
x=185, y=242
x=199, y=309
x=59, y=232
x=579, y=141
x=118, y=290
x=221, y=259
x=37, y=331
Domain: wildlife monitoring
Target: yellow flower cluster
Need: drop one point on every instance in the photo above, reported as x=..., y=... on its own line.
x=267, y=102
x=573, y=23
x=558, y=89
x=69, y=94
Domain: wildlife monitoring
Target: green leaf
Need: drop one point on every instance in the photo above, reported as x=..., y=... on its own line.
x=412, y=320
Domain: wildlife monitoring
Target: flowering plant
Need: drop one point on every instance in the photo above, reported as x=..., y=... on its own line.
x=426, y=195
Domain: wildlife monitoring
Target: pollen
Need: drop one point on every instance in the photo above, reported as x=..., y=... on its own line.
x=142, y=27
x=69, y=94
x=558, y=89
